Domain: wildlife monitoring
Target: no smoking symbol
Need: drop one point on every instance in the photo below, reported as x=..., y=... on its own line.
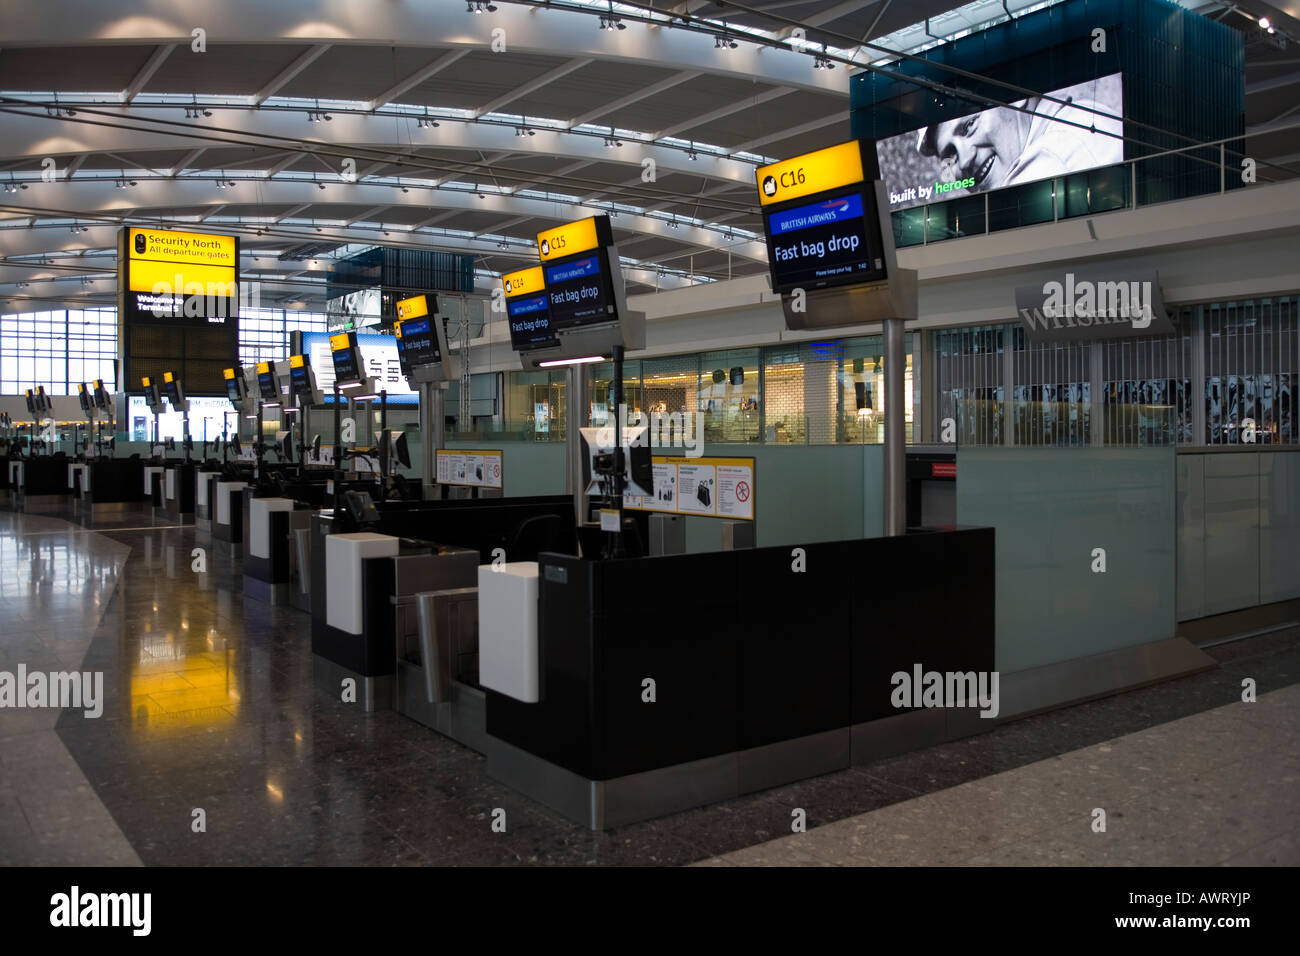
x=742, y=491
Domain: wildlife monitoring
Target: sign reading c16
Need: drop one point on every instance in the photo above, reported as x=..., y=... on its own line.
x=810, y=173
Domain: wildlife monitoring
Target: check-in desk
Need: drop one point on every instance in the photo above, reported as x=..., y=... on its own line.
x=153, y=486
x=363, y=602
x=178, y=491
x=41, y=482
x=112, y=484
x=270, y=559
x=79, y=481
x=228, y=511
x=204, y=497
x=14, y=481
x=659, y=684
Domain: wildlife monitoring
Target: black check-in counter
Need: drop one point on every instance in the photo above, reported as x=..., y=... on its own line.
x=363, y=584
x=115, y=484
x=178, y=488
x=40, y=483
x=761, y=674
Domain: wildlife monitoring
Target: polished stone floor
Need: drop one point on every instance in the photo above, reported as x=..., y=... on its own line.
x=214, y=747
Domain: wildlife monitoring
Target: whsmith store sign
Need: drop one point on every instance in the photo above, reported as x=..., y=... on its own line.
x=1094, y=305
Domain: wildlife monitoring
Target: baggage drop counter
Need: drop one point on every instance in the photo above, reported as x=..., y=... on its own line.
x=670, y=682
x=364, y=583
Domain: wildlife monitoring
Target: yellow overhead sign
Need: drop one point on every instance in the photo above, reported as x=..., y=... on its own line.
x=810, y=173
x=167, y=376
x=568, y=240
x=523, y=282
x=176, y=260
x=228, y=373
x=413, y=308
x=340, y=341
x=297, y=361
x=263, y=368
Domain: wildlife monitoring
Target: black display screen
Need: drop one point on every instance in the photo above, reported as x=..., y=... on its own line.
x=346, y=368
x=232, y=390
x=579, y=292
x=268, y=386
x=419, y=343
x=827, y=242
x=530, y=321
x=300, y=383
x=172, y=392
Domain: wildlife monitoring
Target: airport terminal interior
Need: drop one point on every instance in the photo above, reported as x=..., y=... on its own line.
x=682, y=433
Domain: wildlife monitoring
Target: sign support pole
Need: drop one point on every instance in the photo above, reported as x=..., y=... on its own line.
x=578, y=400
x=431, y=405
x=895, y=497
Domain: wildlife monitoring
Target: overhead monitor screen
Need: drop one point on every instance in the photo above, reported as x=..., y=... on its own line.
x=1034, y=138
x=528, y=309
x=823, y=243
x=343, y=357
x=300, y=379
x=179, y=278
x=579, y=292
x=267, y=384
x=420, y=342
x=378, y=354
x=233, y=391
x=171, y=389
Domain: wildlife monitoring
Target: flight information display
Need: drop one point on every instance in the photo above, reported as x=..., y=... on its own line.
x=343, y=351
x=418, y=342
x=267, y=383
x=300, y=379
x=823, y=243
x=171, y=389
x=579, y=292
x=528, y=309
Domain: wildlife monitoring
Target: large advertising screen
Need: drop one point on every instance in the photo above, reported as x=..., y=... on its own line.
x=355, y=310
x=1004, y=146
x=378, y=353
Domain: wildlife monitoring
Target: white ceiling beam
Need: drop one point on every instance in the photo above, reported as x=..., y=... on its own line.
x=1274, y=83
x=300, y=63
x=75, y=164
x=532, y=86
x=723, y=111
x=554, y=32
x=654, y=89
x=215, y=210
x=146, y=72
x=31, y=135
x=416, y=78
x=827, y=15
x=187, y=161
x=279, y=167
x=365, y=216
x=810, y=126
x=292, y=211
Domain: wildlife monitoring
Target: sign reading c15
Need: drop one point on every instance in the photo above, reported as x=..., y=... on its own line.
x=810, y=173
x=574, y=237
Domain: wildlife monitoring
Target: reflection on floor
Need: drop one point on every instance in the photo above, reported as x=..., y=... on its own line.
x=210, y=707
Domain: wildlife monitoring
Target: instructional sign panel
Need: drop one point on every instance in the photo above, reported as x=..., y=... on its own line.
x=475, y=469
x=707, y=487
